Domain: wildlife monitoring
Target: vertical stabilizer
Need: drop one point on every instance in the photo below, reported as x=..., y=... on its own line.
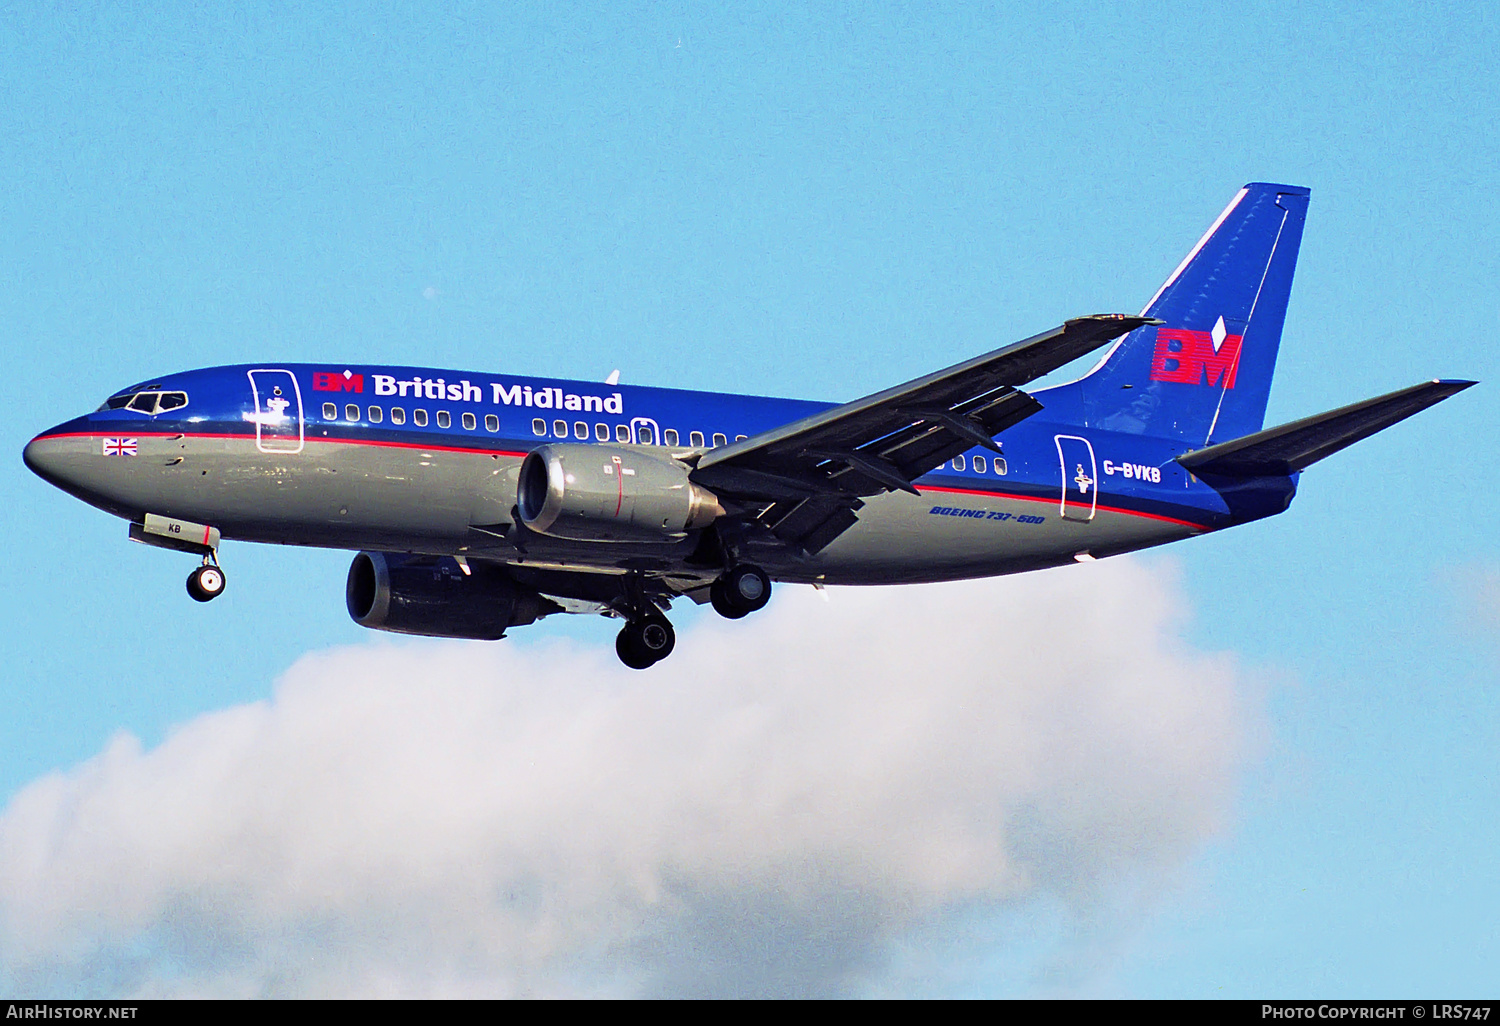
x=1204, y=374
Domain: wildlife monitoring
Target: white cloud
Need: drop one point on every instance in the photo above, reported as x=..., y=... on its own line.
x=767, y=812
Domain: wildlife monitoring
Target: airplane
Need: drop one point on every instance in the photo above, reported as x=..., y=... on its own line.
x=479, y=502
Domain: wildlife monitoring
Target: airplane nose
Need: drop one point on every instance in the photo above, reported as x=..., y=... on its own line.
x=43, y=456
x=57, y=456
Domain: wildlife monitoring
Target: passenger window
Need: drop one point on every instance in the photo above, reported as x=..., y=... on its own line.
x=376, y=415
x=979, y=464
x=470, y=423
x=539, y=427
x=645, y=435
x=444, y=420
x=740, y=438
x=695, y=439
x=669, y=436
x=622, y=433
x=398, y=415
x=601, y=432
x=330, y=411
x=580, y=431
x=144, y=402
x=171, y=401
x=351, y=412
x=959, y=463
x=719, y=440
x=491, y=423
x=1000, y=467
x=560, y=428
x=419, y=418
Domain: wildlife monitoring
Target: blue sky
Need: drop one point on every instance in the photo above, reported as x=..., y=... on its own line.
x=816, y=203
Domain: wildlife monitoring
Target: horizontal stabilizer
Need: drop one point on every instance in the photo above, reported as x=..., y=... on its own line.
x=1298, y=445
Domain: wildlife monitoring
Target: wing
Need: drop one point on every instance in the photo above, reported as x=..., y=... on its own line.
x=802, y=482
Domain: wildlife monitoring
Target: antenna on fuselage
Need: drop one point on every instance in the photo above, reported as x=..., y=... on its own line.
x=614, y=377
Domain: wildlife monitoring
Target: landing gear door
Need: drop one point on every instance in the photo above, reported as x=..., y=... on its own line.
x=278, y=411
x=1080, y=478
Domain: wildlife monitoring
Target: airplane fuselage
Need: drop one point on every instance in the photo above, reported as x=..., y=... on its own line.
x=419, y=460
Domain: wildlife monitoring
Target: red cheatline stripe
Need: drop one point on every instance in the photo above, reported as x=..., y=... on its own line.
x=138, y=434
x=323, y=441
x=1047, y=499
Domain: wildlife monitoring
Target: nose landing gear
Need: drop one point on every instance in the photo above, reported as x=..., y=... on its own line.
x=741, y=591
x=203, y=584
x=207, y=582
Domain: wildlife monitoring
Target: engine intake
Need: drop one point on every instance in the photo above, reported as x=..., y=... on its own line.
x=606, y=493
x=435, y=598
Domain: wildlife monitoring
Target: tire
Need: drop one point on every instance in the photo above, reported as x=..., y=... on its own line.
x=645, y=642
x=748, y=587
x=718, y=596
x=626, y=650
x=206, y=583
x=654, y=635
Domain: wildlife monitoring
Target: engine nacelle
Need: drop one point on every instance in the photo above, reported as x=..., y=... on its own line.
x=437, y=599
x=606, y=493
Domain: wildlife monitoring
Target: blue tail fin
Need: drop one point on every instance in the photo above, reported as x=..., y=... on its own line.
x=1204, y=375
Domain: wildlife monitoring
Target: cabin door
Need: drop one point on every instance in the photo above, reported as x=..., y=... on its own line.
x=278, y=411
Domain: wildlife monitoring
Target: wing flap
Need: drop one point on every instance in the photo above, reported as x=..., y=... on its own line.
x=811, y=524
x=1298, y=445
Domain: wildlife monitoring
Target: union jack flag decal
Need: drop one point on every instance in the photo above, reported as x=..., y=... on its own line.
x=120, y=447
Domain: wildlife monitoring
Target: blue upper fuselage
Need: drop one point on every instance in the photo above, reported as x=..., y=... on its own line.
x=288, y=406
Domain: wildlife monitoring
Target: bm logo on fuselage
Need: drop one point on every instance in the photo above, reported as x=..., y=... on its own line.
x=333, y=381
x=1196, y=357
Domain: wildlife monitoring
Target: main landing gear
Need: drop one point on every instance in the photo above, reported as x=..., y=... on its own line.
x=207, y=582
x=647, y=637
x=741, y=591
x=645, y=641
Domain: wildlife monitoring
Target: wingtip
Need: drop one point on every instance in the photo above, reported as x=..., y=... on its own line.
x=1299, y=190
x=1134, y=320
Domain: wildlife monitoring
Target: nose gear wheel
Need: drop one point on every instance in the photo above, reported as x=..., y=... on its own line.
x=206, y=583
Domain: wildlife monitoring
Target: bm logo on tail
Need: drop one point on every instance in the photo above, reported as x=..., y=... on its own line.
x=1197, y=357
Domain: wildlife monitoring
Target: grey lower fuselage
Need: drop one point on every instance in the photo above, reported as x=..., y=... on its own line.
x=450, y=499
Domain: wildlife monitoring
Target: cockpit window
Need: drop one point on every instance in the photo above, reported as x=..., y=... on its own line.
x=145, y=402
